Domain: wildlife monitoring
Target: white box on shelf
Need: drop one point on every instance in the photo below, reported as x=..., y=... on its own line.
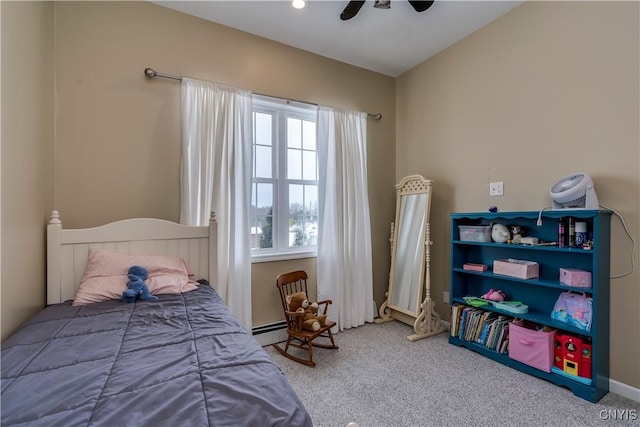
x=516, y=268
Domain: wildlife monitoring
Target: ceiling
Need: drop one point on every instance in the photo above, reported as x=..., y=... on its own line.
x=387, y=41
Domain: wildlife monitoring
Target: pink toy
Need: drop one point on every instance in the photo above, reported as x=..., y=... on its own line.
x=496, y=295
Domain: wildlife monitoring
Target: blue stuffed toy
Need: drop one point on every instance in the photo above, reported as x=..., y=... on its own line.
x=136, y=287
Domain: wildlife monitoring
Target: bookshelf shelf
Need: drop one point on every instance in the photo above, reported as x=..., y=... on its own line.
x=535, y=316
x=541, y=293
x=585, y=388
x=517, y=247
x=548, y=283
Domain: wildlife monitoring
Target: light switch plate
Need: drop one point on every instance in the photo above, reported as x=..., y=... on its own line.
x=496, y=188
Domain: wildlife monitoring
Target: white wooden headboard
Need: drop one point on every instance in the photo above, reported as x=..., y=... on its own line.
x=67, y=250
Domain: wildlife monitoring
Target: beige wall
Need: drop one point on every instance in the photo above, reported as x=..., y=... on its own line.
x=118, y=133
x=266, y=304
x=549, y=89
x=27, y=156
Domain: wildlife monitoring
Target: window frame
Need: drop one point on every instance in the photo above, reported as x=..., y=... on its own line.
x=281, y=110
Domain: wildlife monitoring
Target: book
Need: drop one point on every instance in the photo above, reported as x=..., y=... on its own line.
x=472, y=323
x=494, y=340
x=456, y=310
x=481, y=321
x=501, y=346
x=463, y=322
x=494, y=335
x=505, y=346
x=486, y=328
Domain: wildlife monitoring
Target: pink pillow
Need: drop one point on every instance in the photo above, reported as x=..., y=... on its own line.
x=106, y=275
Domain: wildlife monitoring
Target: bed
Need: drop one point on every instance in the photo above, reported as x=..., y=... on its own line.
x=183, y=360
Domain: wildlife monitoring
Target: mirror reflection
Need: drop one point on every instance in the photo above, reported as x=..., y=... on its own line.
x=408, y=273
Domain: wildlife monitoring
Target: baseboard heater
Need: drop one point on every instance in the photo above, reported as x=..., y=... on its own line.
x=270, y=333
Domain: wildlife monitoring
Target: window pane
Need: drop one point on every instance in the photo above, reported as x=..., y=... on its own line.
x=308, y=135
x=262, y=215
x=303, y=215
x=311, y=200
x=294, y=164
x=309, y=163
x=262, y=159
x=294, y=133
x=311, y=214
x=296, y=215
x=263, y=130
x=253, y=230
x=296, y=198
x=264, y=195
x=311, y=237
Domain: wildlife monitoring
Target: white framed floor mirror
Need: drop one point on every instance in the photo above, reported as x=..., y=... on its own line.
x=408, y=298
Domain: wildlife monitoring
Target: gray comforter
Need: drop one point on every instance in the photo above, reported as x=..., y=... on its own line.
x=184, y=360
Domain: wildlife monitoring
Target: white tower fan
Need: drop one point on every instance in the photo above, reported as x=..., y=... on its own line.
x=574, y=191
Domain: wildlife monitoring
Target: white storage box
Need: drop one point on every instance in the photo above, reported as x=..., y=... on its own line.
x=475, y=233
x=516, y=268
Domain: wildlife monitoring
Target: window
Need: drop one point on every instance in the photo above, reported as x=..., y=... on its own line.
x=284, y=193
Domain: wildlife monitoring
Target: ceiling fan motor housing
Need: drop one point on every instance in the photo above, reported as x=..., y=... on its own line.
x=354, y=6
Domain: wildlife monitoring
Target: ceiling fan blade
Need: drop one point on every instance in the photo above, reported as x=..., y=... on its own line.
x=421, y=6
x=352, y=10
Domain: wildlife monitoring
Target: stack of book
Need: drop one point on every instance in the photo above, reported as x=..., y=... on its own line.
x=483, y=327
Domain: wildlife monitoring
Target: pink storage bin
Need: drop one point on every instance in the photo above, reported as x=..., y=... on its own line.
x=575, y=277
x=535, y=348
x=516, y=268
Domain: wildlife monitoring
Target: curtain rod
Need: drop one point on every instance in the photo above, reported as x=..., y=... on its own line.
x=151, y=73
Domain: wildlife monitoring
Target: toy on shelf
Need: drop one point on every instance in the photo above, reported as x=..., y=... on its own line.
x=515, y=307
x=497, y=299
x=517, y=233
x=492, y=295
x=500, y=233
x=572, y=355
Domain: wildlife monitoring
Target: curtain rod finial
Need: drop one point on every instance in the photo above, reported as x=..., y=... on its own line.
x=149, y=72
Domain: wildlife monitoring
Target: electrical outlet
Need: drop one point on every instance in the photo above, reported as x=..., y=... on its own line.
x=496, y=188
x=445, y=297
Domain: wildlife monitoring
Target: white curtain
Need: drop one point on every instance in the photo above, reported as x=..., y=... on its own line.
x=216, y=175
x=344, y=241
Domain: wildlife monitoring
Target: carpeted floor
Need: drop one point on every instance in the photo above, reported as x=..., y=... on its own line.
x=380, y=379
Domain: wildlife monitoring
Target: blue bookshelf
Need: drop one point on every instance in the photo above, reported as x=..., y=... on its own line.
x=541, y=293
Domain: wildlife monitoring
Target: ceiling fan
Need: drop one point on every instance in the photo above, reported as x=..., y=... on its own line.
x=353, y=7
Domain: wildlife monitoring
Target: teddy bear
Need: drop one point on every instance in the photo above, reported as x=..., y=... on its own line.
x=136, y=287
x=298, y=302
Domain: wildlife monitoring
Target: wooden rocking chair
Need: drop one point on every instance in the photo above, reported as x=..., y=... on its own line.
x=288, y=284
